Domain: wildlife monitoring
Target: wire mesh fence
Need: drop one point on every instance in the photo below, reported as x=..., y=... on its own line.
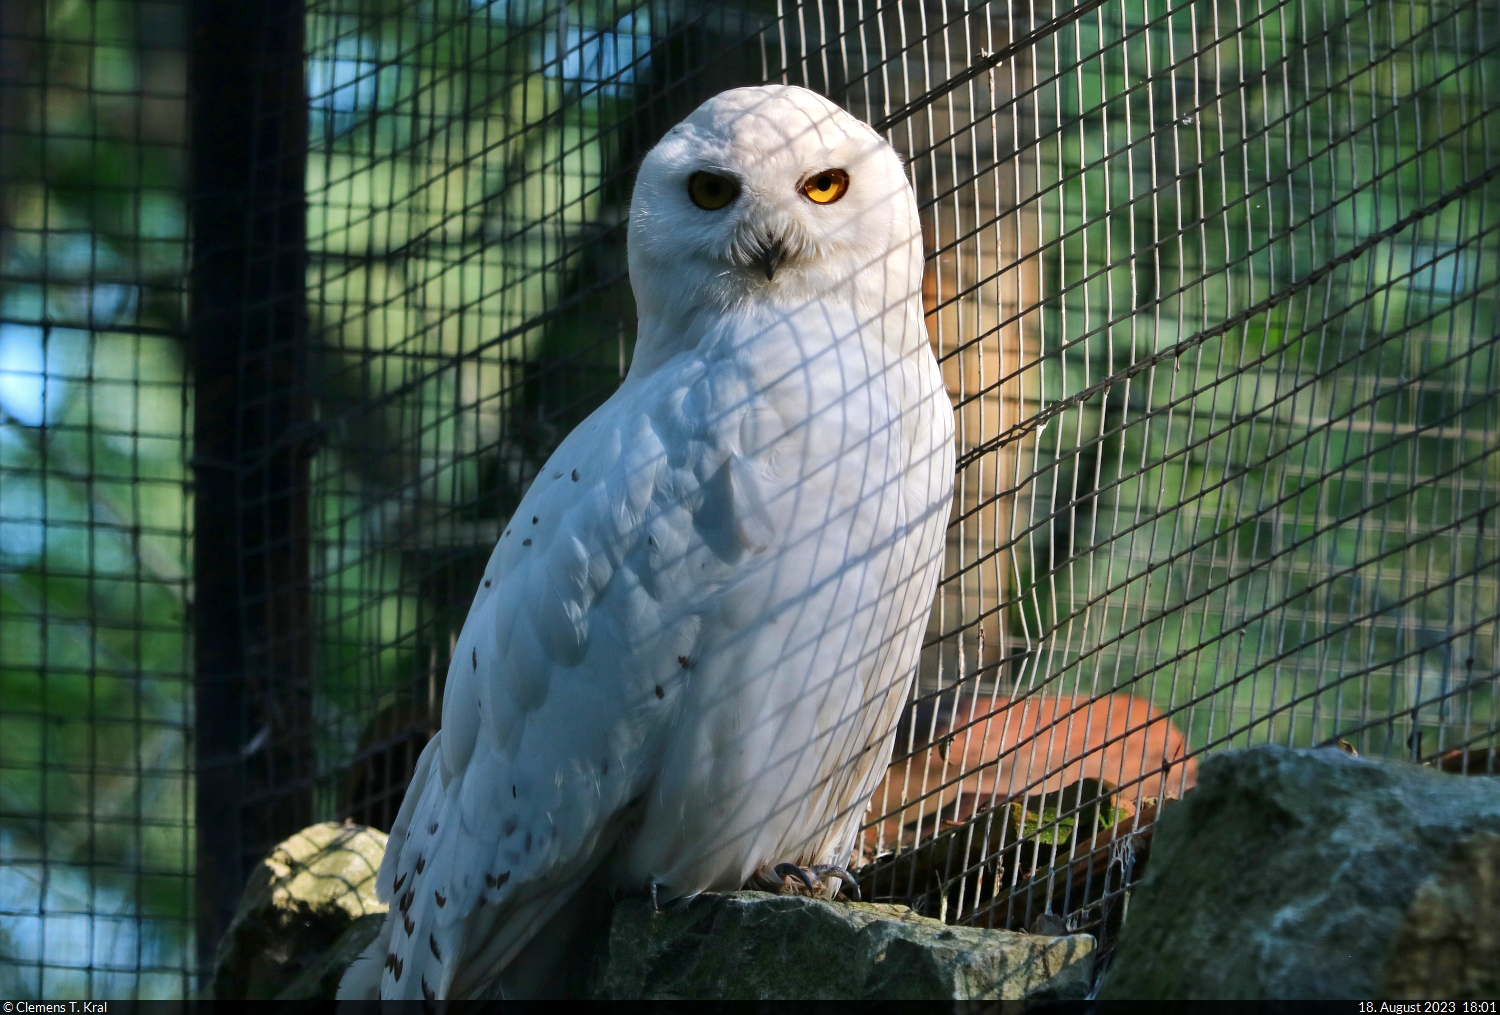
x=1227, y=440
x=1212, y=284
x=96, y=789
x=467, y=187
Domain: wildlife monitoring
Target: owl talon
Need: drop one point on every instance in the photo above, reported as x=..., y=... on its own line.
x=846, y=880
x=812, y=878
x=807, y=877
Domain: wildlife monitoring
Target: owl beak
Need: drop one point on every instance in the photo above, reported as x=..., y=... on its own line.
x=771, y=255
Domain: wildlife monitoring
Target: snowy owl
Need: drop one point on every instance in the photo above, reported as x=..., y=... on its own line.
x=684, y=664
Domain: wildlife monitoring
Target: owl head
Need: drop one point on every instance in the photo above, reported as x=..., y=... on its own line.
x=772, y=196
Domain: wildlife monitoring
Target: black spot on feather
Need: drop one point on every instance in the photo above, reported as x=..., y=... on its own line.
x=684, y=662
x=427, y=991
x=442, y=900
x=533, y=519
x=486, y=583
x=474, y=657
x=575, y=475
x=659, y=692
x=399, y=882
x=525, y=542
x=406, y=899
x=432, y=828
x=406, y=920
x=432, y=943
x=421, y=864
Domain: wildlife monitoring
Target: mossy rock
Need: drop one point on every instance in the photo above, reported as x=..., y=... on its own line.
x=1312, y=874
x=298, y=906
x=758, y=946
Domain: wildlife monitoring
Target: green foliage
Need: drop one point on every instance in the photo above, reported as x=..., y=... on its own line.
x=1052, y=818
x=95, y=669
x=1278, y=530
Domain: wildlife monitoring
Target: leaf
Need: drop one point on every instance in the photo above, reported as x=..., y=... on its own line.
x=1053, y=817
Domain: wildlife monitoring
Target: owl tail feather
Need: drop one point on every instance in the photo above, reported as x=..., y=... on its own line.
x=361, y=981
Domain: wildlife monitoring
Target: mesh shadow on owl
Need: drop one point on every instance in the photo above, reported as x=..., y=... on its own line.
x=685, y=662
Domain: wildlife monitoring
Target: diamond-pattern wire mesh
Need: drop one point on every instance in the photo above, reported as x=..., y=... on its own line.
x=1212, y=285
x=96, y=840
x=1227, y=436
x=467, y=182
x=1213, y=288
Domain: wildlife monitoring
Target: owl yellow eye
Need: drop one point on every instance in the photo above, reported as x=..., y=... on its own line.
x=711, y=192
x=826, y=187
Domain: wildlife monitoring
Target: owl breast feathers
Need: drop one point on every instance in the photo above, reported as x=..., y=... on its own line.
x=688, y=652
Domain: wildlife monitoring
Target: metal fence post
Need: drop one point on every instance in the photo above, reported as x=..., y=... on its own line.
x=248, y=332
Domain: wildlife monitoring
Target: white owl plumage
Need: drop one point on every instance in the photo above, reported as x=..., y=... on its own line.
x=687, y=656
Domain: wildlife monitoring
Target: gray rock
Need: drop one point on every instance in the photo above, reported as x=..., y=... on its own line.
x=753, y=945
x=1314, y=874
x=303, y=909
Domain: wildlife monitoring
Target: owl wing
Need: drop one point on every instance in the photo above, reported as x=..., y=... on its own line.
x=561, y=685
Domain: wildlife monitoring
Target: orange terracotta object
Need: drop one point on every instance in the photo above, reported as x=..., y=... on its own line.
x=1027, y=746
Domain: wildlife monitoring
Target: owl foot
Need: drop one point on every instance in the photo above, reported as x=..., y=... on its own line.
x=812, y=878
